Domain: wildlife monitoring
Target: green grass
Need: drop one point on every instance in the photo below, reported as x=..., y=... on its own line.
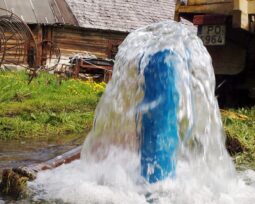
x=46, y=108
x=240, y=125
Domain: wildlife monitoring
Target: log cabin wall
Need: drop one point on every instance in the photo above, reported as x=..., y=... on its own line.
x=38, y=35
x=75, y=40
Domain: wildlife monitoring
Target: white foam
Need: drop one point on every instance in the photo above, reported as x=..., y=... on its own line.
x=116, y=180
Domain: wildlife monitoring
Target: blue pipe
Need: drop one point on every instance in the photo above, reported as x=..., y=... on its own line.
x=158, y=111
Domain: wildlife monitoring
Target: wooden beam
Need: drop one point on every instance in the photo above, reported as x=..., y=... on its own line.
x=39, y=38
x=219, y=8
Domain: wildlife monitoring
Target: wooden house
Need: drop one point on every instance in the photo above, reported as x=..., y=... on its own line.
x=93, y=26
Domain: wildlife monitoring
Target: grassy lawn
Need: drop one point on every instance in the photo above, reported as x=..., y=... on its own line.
x=45, y=109
x=239, y=126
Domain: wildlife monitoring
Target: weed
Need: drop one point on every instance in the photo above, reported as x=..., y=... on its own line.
x=239, y=126
x=44, y=108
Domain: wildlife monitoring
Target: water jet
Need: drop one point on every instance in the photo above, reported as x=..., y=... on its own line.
x=157, y=134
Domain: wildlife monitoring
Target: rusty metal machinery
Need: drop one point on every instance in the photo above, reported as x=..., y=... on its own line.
x=51, y=55
x=85, y=67
x=19, y=47
x=2, y=43
x=49, y=59
x=17, y=43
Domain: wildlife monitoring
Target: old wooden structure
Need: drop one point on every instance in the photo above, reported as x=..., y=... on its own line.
x=81, y=27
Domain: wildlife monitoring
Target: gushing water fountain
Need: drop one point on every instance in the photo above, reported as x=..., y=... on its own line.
x=157, y=134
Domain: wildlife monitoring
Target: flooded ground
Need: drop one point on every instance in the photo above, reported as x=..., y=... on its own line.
x=15, y=154
x=23, y=153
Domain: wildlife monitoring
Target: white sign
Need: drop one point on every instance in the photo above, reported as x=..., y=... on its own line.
x=212, y=34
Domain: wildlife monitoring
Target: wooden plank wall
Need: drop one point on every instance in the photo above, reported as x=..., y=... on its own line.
x=16, y=49
x=74, y=40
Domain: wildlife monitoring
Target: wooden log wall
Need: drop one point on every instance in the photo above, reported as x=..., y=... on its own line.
x=73, y=40
x=15, y=49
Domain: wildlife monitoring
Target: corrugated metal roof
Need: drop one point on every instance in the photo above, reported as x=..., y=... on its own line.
x=121, y=15
x=115, y=15
x=40, y=11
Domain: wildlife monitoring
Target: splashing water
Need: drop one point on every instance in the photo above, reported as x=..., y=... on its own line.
x=110, y=167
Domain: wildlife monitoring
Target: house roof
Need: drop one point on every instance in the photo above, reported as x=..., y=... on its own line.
x=40, y=11
x=120, y=15
x=115, y=15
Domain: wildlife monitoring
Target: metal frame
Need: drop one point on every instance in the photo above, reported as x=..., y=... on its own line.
x=18, y=45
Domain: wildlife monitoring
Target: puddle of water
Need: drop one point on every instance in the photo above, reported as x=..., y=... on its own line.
x=15, y=153
x=22, y=153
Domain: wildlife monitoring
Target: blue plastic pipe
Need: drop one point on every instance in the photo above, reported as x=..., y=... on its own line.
x=158, y=111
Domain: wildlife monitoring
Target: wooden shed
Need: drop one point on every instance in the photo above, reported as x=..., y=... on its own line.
x=93, y=26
